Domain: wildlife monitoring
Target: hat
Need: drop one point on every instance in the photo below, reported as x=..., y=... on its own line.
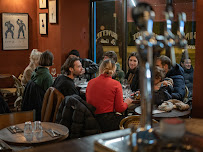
x=74, y=52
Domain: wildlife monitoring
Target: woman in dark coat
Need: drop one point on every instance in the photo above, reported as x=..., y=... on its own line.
x=133, y=73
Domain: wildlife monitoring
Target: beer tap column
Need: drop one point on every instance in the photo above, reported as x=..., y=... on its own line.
x=143, y=16
x=180, y=40
x=169, y=38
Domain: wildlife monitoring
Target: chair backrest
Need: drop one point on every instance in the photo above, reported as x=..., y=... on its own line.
x=14, y=118
x=19, y=90
x=186, y=94
x=19, y=86
x=130, y=121
x=51, y=102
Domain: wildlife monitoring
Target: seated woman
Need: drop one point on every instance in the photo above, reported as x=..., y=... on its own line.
x=41, y=75
x=163, y=87
x=106, y=95
x=34, y=62
x=133, y=73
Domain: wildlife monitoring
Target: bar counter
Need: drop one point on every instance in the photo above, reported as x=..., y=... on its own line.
x=194, y=136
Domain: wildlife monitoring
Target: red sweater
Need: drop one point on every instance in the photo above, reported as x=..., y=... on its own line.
x=105, y=94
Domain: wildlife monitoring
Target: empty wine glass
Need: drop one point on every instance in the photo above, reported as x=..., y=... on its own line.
x=53, y=71
x=124, y=83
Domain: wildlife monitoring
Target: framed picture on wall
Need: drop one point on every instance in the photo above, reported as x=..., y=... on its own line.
x=42, y=3
x=52, y=11
x=43, y=23
x=15, y=31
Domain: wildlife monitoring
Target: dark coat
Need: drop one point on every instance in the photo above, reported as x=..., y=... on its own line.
x=188, y=75
x=90, y=68
x=176, y=73
x=135, y=82
x=3, y=106
x=65, y=85
x=33, y=98
x=163, y=94
x=78, y=116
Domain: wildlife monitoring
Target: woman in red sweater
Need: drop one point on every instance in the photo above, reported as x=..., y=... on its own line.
x=106, y=95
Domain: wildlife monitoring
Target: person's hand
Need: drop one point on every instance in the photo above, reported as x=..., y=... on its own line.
x=128, y=101
x=165, y=83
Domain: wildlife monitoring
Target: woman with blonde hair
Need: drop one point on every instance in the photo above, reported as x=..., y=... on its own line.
x=34, y=62
x=106, y=95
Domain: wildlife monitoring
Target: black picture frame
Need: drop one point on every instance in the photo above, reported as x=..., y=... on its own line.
x=15, y=31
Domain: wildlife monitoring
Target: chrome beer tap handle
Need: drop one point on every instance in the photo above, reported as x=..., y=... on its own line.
x=169, y=36
x=181, y=40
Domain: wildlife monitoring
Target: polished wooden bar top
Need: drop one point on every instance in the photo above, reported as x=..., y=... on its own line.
x=20, y=139
x=86, y=144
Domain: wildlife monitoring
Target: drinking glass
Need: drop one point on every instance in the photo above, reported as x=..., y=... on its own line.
x=124, y=83
x=53, y=71
x=28, y=131
x=38, y=129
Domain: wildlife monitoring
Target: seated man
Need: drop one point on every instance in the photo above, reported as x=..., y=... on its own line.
x=89, y=67
x=175, y=73
x=119, y=74
x=188, y=73
x=64, y=83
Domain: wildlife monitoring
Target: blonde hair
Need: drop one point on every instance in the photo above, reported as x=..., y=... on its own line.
x=35, y=56
x=107, y=67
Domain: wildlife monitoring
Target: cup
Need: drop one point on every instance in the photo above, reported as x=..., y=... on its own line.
x=28, y=131
x=38, y=132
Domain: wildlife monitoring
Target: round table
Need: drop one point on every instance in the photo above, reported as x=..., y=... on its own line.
x=20, y=139
x=173, y=113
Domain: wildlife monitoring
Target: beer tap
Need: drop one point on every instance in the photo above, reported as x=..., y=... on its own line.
x=169, y=37
x=180, y=39
x=149, y=47
x=143, y=16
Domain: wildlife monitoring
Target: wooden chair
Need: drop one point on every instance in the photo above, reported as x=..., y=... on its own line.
x=185, y=100
x=130, y=121
x=20, y=89
x=51, y=102
x=14, y=118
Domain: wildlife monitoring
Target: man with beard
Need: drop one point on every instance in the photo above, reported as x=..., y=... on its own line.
x=64, y=83
x=175, y=73
x=188, y=73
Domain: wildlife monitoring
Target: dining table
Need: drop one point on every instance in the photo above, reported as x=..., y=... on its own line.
x=19, y=139
x=158, y=114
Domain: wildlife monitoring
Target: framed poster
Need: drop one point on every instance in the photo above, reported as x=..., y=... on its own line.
x=42, y=3
x=43, y=23
x=52, y=11
x=15, y=31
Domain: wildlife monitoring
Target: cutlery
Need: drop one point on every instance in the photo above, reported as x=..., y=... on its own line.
x=53, y=133
x=13, y=129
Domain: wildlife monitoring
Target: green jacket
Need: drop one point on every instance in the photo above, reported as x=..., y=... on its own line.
x=42, y=77
x=119, y=75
